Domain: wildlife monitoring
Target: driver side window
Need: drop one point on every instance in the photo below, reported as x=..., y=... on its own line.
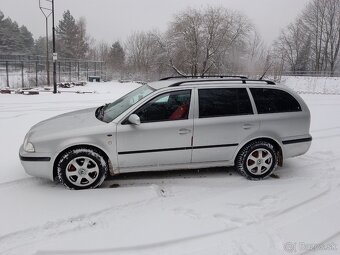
x=166, y=107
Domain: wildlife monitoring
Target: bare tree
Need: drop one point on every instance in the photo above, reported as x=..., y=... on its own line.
x=142, y=53
x=322, y=19
x=256, y=54
x=313, y=40
x=333, y=33
x=314, y=18
x=293, y=45
x=198, y=41
x=99, y=50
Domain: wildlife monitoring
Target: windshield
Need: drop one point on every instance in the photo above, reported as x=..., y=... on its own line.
x=111, y=111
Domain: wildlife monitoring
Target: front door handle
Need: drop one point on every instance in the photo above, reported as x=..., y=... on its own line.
x=247, y=126
x=184, y=131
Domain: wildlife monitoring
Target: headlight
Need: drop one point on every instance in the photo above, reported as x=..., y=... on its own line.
x=28, y=146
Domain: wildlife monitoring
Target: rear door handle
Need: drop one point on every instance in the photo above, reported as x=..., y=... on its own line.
x=247, y=126
x=184, y=131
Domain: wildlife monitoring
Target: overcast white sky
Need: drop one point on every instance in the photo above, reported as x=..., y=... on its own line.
x=111, y=20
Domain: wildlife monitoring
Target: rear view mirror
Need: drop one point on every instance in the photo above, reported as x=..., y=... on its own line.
x=134, y=119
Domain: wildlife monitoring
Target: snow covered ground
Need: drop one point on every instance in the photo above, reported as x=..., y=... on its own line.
x=315, y=85
x=213, y=211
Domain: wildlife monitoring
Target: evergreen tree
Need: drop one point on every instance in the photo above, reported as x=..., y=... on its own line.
x=117, y=56
x=14, y=40
x=26, y=39
x=66, y=35
x=39, y=47
x=82, y=46
x=71, y=37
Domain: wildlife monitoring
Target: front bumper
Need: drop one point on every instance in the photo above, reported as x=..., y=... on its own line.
x=37, y=164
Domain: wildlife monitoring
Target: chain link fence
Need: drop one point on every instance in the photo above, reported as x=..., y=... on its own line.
x=22, y=71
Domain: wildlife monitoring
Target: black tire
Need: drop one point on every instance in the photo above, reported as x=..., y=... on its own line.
x=71, y=166
x=262, y=168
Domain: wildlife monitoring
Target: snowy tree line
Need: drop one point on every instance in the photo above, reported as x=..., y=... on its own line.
x=14, y=38
x=312, y=41
x=197, y=42
x=210, y=40
x=72, y=41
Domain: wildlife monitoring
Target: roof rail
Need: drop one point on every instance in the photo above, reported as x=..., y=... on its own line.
x=205, y=76
x=244, y=81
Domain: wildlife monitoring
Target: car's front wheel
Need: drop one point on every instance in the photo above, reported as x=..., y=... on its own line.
x=257, y=160
x=82, y=168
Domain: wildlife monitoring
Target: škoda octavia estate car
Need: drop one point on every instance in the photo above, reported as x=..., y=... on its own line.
x=175, y=123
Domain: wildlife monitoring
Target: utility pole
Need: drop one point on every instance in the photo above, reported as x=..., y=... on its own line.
x=46, y=12
x=54, y=54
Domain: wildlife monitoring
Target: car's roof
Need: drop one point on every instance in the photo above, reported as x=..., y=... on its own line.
x=208, y=81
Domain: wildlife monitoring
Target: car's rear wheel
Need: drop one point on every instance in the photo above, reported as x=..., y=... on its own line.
x=82, y=168
x=257, y=160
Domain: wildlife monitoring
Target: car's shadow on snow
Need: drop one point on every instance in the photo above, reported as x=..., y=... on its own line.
x=187, y=177
x=192, y=176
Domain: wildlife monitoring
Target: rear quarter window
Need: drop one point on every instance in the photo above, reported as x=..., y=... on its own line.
x=274, y=101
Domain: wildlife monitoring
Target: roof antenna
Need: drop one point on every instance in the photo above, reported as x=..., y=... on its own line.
x=264, y=73
x=266, y=70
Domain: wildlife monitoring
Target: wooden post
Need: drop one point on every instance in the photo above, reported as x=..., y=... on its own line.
x=59, y=70
x=7, y=76
x=22, y=75
x=78, y=70
x=87, y=71
x=36, y=73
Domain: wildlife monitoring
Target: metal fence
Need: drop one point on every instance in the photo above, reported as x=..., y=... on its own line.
x=311, y=73
x=20, y=71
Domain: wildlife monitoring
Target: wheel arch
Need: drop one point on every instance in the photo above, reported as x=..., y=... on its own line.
x=270, y=140
x=88, y=146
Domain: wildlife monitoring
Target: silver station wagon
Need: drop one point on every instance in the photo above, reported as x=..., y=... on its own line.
x=174, y=123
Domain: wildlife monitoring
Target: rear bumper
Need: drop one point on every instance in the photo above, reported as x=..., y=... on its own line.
x=37, y=164
x=296, y=147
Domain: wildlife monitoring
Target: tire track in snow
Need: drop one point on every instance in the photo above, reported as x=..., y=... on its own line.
x=12, y=241
x=168, y=243
x=327, y=240
x=22, y=238
x=149, y=246
x=325, y=129
x=193, y=238
x=277, y=213
x=12, y=117
x=319, y=161
x=24, y=181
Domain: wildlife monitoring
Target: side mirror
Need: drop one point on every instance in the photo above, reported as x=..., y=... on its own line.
x=134, y=119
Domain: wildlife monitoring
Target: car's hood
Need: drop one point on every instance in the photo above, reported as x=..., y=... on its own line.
x=72, y=123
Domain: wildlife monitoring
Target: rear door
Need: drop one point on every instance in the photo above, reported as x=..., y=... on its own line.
x=225, y=117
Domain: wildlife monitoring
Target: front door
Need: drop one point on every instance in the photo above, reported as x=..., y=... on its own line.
x=164, y=135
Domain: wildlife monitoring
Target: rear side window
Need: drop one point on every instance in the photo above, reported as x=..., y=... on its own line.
x=223, y=102
x=274, y=101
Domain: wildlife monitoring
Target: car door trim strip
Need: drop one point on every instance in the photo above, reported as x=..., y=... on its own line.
x=178, y=149
x=302, y=140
